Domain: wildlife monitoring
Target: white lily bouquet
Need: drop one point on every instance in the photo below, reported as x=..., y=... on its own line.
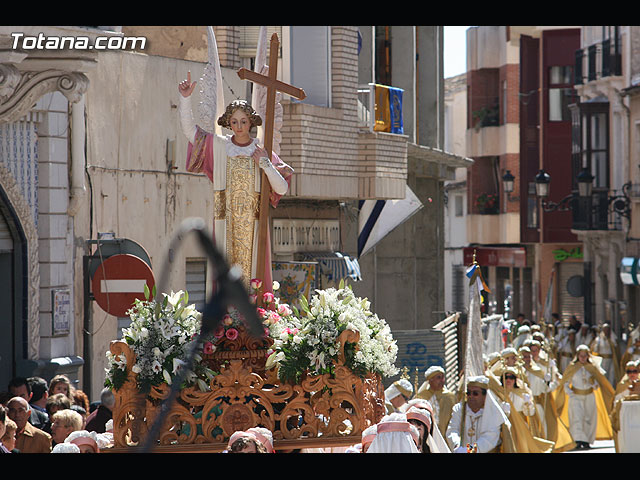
x=161, y=336
x=307, y=341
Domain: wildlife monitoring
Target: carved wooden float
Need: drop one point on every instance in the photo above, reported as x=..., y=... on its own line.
x=321, y=411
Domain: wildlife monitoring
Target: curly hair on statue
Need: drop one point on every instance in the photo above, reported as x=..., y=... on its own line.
x=243, y=105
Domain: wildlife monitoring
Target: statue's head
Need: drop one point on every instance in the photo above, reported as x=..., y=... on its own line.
x=245, y=107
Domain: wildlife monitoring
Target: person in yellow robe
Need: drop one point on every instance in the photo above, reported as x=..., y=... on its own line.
x=624, y=421
x=543, y=380
x=397, y=395
x=438, y=395
x=584, y=399
x=522, y=413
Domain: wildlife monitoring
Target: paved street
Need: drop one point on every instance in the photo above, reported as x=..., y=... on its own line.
x=599, y=446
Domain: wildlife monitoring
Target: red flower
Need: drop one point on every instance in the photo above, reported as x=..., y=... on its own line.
x=267, y=297
x=208, y=348
x=219, y=332
x=231, y=334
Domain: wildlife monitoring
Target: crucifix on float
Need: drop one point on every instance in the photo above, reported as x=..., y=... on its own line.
x=273, y=85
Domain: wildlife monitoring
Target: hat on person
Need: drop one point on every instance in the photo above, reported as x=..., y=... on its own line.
x=65, y=448
x=507, y=352
x=420, y=414
x=399, y=387
x=368, y=434
x=433, y=370
x=83, y=437
x=395, y=435
x=480, y=381
x=264, y=436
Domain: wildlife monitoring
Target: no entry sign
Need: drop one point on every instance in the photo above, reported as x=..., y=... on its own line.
x=119, y=281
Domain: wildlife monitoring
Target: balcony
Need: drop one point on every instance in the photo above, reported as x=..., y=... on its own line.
x=338, y=153
x=603, y=210
x=597, y=61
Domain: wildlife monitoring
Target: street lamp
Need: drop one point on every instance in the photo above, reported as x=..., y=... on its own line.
x=542, y=184
x=507, y=182
x=585, y=183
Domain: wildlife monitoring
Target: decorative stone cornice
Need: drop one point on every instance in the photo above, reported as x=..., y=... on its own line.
x=19, y=91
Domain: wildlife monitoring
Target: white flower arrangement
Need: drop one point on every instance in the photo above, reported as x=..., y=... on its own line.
x=309, y=341
x=161, y=336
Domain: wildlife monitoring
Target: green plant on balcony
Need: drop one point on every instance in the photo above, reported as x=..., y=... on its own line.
x=487, y=117
x=487, y=203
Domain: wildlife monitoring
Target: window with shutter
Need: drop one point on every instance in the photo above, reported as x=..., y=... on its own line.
x=196, y=282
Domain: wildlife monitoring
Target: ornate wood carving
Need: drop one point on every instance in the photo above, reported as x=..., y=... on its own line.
x=322, y=410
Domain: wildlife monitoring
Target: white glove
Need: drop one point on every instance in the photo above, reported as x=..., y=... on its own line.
x=277, y=182
x=506, y=407
x=527, y=398
x=187, y=122
x=547, y=377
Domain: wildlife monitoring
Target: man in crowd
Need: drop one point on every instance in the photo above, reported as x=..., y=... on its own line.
x=479, y=421
x=438, y=395
x=20, y=387
x=29, y=439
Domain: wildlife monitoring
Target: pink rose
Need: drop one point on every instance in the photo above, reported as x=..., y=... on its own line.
x=232, y=334
x=208, y=348
x=284, y=310
x=219, y=332
x=253, y=298
x=274, y=317
x=256, y=284
x=267, y=297
x=261, y=312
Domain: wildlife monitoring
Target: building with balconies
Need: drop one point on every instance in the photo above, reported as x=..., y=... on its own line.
x=92, y=156
x=605, y=150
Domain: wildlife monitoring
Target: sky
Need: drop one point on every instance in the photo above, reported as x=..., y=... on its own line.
x=455, y=50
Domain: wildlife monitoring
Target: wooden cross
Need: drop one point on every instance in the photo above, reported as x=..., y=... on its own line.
x=272, y=85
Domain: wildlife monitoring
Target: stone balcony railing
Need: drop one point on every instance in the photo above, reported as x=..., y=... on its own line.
x=334, y=158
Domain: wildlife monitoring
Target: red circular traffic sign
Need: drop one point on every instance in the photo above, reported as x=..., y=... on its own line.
x=119, y=281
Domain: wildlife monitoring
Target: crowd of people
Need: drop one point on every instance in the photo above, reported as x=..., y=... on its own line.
x=37, y=416
x=551, y=388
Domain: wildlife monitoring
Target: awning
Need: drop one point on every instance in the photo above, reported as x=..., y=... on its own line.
x=629, y=272
x=335, y=265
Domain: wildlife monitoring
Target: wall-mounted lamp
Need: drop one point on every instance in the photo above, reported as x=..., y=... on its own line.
x=619, y=204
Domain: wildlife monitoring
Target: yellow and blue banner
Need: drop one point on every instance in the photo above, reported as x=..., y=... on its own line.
x=388, y=109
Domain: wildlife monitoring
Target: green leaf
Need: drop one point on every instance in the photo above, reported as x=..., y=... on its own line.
x=153, y=291
x=341, y=285
x=186, y=297
x=146, y=291
x=304, y=304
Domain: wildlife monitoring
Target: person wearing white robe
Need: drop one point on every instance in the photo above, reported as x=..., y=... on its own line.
x=478, y=420
x=583, y=414
x=566, y=350
x=605, y=345
x=397, y=395
x=395, y=435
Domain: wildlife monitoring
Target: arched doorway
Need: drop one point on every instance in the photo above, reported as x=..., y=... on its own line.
x=14, y=322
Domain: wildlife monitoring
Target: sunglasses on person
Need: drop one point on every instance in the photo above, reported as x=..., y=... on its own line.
x=632, y=371
x=474, y=393
x=509, y=377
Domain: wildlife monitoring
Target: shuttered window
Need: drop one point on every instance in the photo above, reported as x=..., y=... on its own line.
x=249, y=39
x=310, y=63
x=196, y=282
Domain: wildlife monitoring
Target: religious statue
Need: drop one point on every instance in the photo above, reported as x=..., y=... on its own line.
x=237, y=164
